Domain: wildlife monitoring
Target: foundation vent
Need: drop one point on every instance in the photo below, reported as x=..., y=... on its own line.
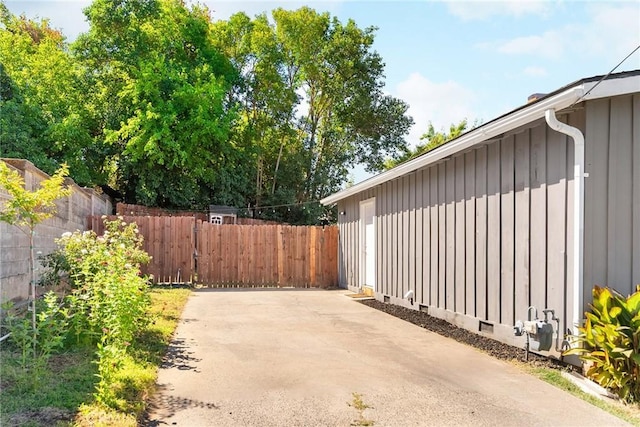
x=486, y=327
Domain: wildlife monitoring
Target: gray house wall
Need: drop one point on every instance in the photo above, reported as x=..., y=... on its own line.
x=612, y=213
x=484, y=234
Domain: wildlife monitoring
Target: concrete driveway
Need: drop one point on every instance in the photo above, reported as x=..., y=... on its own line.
x=296, y=357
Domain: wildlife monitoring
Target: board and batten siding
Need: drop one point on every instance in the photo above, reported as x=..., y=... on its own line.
x=478, y=237
x=481, y=236
x=612, y=193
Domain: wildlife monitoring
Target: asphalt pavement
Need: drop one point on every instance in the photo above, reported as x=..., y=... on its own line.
x=319, y=358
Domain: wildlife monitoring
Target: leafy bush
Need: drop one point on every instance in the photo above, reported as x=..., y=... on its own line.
x=610, y=341
x=109, y=296
x=107, y=288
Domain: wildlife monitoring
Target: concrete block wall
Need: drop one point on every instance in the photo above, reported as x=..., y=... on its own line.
x=72, y=214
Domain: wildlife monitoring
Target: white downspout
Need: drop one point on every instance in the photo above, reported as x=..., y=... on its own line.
x=578, y=212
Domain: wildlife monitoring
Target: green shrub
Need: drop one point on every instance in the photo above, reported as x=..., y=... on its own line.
x=107, y=289
x=109, y=297
x=610, y=340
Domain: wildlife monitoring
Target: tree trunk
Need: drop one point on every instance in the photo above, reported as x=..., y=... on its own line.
x=32, y=291
x=275, y=172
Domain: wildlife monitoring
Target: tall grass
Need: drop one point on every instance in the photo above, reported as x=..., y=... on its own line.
x=65, y=389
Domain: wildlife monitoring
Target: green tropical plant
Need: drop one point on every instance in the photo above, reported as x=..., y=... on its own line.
x=610, y=342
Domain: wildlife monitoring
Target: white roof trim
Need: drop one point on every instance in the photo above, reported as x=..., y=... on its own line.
x=483, y=133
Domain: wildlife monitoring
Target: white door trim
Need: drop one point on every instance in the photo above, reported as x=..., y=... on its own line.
x=367, y=244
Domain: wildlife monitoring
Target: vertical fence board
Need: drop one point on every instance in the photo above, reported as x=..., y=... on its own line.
x=312, y=256
x=155, y=246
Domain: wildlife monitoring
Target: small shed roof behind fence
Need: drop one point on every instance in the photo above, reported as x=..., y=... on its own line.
x=223, y=210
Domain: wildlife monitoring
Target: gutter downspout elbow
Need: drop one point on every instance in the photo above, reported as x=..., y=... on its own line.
x=578, y=213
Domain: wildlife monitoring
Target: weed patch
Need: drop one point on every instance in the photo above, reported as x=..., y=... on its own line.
x=65, y=389
x=360, y=406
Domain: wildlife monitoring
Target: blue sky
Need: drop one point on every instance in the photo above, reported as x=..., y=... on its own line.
x=455, y=59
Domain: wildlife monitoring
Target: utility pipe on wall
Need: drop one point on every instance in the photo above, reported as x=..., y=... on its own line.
x=578, y=212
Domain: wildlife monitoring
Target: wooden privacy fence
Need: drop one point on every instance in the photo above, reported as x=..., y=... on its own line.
x=186, y=250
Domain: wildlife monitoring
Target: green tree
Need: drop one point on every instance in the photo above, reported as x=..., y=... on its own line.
x=266, y=103
x=21, y=125
x=311, y=102
x=432, y=139
x=26, y=209
x=159, y=90
x=42, y=116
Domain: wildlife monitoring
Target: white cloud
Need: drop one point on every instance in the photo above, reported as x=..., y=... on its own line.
x=610, y=32
x=613, y=30
x=439, y=103
x=534, y=71
x=480, y=10
x=548, y=45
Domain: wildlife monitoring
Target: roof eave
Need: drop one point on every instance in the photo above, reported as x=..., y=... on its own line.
x=583, y=90
x=476, y=136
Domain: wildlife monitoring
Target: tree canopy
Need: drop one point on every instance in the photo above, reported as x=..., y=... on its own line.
x=432, y=139
x=42, y=117
x=173, y=109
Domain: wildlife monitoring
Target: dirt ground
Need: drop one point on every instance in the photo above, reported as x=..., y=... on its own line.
x=494, y=348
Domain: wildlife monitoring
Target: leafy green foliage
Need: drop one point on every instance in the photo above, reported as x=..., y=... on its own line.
x=611, y=342
x=51, y=329
x=159, y=96
x=54, y=270
x=432, y=139
x=110, y=299
x=68, y=379
x=27, y=208
x=107, y=287
x=310, y=101
x=175, y=110
x=42, y=114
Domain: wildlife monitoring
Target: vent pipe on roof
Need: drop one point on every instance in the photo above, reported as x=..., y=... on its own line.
x=535, y=96
x=578, y=212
